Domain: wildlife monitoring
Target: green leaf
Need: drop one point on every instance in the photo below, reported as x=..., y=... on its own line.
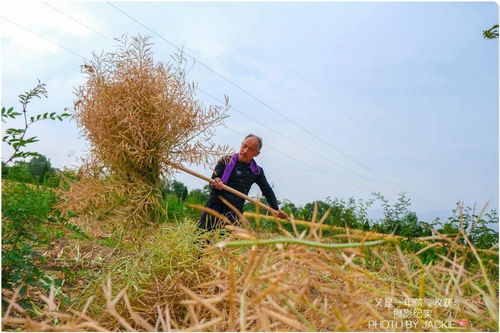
x=22, y=292
x=45, y=115
x=31, y=140
x=65, y=114
x=38, y=117
x=14, y=131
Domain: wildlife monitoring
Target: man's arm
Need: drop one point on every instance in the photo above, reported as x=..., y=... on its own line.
x=268, y=193
x=218, y=172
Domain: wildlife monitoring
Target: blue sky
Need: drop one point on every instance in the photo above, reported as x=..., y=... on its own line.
x=402, y=96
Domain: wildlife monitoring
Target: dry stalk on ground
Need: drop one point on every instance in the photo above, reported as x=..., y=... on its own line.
x=292, y=288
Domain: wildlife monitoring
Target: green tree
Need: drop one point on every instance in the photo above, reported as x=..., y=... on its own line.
x=250, y=206
x=40, y=168
x=199, y=196
x=398, y=218
x=176, y=187
x=475, y=225
x=289, y=208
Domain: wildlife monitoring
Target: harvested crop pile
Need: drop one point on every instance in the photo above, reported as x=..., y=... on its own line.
x=138, y=116
x=283, y=288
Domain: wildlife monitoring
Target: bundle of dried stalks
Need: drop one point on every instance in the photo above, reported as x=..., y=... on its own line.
x=138, y=116
x=298, y=288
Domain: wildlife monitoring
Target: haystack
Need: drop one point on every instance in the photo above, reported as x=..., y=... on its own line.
x=138, y=117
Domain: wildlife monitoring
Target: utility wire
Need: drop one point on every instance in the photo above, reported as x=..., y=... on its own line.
x=252, y=95
x=293, y=141
x=261, y=123
x=305, y=79
x=218, y=100
x=308, y=82
x=305, y=163
x=45, y=38
x=270, y=147
x=323, y=172
x=245, y=91
x=77, y=21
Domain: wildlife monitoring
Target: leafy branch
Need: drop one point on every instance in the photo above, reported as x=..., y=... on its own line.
x=491, y=33
x=15, y=137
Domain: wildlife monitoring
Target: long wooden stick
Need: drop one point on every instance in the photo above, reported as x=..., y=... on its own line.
x=225, y=187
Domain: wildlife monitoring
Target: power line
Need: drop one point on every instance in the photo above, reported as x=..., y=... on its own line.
x=77, y=21
x=45, y=38
x=293, y=141
x=306, y=80
x=74, y=53
x=270, y=147
x=315, y=87
x=305, y=163
x=244, y=90
x=291, y=68
x=252, y=95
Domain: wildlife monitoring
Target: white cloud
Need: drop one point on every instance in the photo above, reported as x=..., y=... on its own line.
x=45, y=21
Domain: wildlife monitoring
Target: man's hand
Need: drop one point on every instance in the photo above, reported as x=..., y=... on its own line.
x=282, y=215
x=218, y=184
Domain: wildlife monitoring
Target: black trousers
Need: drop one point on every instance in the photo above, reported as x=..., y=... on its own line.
x=209, y=222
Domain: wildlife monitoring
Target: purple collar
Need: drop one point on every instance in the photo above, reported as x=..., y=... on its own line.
x=230, y=166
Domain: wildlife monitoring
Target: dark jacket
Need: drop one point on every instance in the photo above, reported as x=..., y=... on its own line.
x=241, y=179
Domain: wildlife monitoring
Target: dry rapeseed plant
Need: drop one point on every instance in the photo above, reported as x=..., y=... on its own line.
x=294, y=288
x=138, y=117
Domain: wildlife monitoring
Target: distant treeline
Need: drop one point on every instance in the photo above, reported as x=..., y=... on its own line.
x=398, y=218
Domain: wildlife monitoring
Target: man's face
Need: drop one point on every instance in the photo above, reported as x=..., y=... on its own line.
x=249, y=149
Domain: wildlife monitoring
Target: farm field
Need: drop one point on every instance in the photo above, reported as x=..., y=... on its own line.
x=80, y=274
x=114, y=244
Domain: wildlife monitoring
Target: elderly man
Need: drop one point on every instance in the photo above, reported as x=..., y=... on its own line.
x=238, y=171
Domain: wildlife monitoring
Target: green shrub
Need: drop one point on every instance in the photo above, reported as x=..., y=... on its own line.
x=24, y=210
x=19, y=172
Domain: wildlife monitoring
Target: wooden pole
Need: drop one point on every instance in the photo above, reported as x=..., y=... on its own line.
x=225, y=187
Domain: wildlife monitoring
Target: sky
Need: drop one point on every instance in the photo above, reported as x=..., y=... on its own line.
x=349, y=98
